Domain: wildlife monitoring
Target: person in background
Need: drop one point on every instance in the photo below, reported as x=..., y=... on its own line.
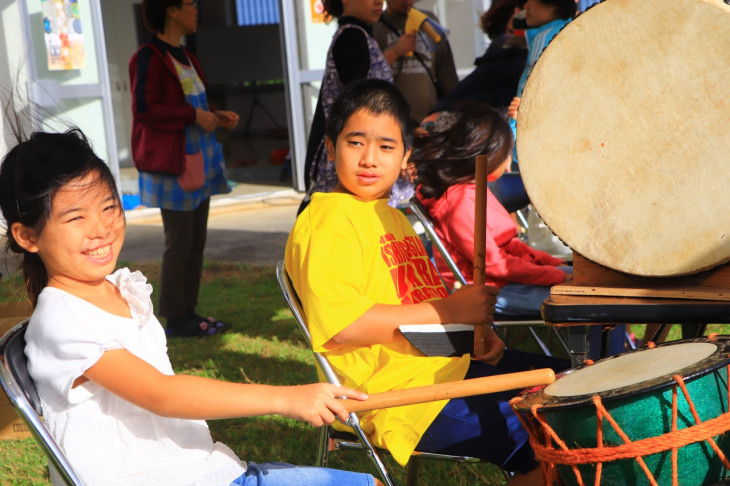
x=423, y=69
x=544, y=18
x=352, y=55
x=445, y=164
x=497, y=72
x=361, y=271
x=180, y=162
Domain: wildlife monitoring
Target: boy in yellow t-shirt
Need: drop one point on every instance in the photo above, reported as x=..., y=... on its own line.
x=361, y=271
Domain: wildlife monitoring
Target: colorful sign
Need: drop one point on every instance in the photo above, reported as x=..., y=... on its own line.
x=63, y=36
x=317, y=11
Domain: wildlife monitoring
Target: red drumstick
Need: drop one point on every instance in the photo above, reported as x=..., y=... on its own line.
x=480, y=244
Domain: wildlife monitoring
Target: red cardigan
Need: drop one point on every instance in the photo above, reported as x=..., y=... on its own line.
x=508, y=260
x=160, y=111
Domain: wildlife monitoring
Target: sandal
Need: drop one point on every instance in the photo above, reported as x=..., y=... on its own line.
x=219, y=325
x=192, y=326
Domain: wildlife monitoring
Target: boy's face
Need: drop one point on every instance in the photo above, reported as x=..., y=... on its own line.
x=538, y=13
x=369, y=155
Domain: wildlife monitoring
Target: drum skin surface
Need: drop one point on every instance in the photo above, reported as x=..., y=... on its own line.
x=623, y=135
x=643, y=410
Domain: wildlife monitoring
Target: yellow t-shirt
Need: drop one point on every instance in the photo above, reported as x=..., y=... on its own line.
x=343, y=256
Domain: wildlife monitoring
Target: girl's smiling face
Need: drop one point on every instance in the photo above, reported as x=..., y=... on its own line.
x=81, y=240
x=369, y=155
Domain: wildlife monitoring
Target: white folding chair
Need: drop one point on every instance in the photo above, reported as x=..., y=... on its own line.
x=331, y=439
x=21, y=392
x=499, y=321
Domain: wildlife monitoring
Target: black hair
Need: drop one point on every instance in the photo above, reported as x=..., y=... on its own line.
x=376, y=96
x=449, y=157
x=494, y=21
x=31, y=174
x=154, y=13
x=333, y=8
x=566, y=9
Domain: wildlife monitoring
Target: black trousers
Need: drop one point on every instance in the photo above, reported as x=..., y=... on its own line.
x=182, y=261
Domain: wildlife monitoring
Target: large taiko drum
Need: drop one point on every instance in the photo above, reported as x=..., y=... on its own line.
x=650, y=416
x=623, y=135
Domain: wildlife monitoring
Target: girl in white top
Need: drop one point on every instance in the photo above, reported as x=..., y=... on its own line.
x=98, y=355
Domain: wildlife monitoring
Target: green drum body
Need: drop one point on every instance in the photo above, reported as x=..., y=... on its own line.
x=636, y=389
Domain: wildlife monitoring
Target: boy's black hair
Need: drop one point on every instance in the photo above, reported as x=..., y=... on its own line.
x=31, y=174
x=449, y=157
x=154, y=13
x=376, y=96
x=566, y=9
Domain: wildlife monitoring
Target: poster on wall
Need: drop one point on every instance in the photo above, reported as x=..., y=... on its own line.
x=318, y=15
x=63, y=35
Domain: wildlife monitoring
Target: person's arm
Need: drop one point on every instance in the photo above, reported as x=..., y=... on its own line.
x=194, y=397
x=522, y=269
x=446, y=75
x=518, y=247
x=351, y=55
x=207, y=120
x=227, y=119
x=379, y=324
x=147, y=75
x=513, y=107
x=406, y=43
x=516, y=263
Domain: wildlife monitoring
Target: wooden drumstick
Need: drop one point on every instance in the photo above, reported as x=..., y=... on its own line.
x=480, y=245
x=453, y=389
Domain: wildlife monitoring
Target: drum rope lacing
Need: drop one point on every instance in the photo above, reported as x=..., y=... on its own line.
x=550, y=456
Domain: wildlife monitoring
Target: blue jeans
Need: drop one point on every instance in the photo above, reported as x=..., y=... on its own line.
x=516, y=299
x=281, y=474
x=485, y=426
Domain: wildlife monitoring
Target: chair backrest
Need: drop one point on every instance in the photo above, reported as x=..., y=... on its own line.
x=292, y=300
x=295, y=305
x=23, y=396
x=436, y=241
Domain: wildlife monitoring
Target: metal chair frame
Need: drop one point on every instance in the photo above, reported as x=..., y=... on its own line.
x=331, y=439
x=420, y=212
x=23, y=396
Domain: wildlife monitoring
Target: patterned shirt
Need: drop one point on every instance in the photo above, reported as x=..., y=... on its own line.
x=162, y=190
x=322, y=172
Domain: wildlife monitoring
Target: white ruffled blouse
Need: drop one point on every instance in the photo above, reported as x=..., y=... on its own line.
x=108, y=440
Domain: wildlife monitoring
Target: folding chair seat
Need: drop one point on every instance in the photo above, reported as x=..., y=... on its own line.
x=331, y=439
x=22, y=394
x=500, y=322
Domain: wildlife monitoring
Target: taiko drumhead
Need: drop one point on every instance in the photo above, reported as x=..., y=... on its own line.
x=629, y=369
x=623, y=135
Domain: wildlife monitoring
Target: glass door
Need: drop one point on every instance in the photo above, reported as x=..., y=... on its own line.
x=67, y=70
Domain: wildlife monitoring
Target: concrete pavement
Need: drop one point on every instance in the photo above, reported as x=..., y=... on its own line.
x=249, y=226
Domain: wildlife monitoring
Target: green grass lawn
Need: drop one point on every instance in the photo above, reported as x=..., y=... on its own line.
x=263, y=346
